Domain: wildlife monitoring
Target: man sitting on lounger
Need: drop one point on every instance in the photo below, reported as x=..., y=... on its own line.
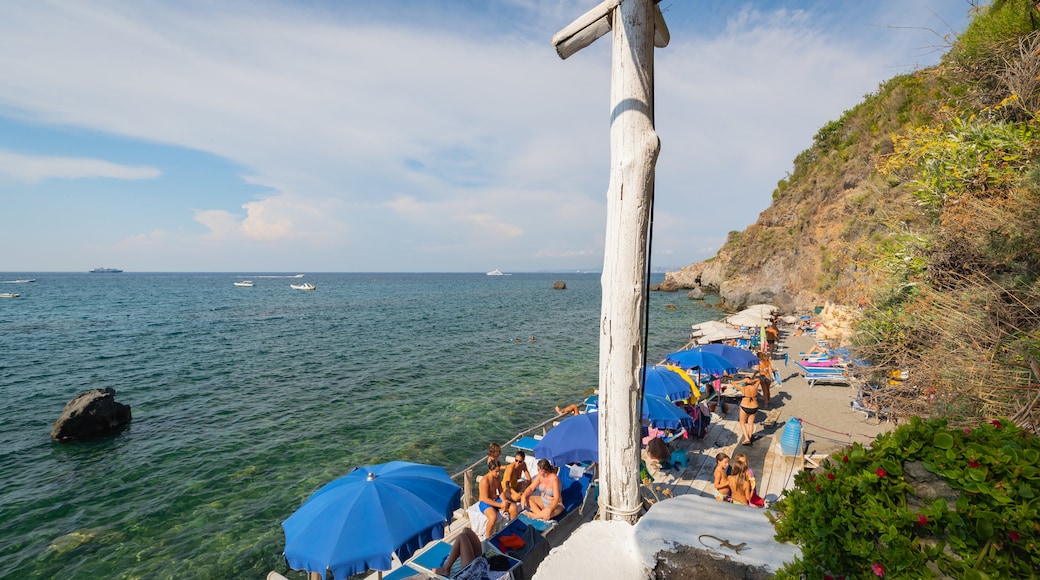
x=512, y=486
x=492, y=500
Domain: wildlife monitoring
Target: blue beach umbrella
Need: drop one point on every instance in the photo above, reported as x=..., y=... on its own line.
x=739, y=357
x=663, y=413
x=574, y=440
x=705, y=362
x=357, y=522
x=669, y=382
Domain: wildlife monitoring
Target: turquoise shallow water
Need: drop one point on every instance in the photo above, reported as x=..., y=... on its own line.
x=246, y=400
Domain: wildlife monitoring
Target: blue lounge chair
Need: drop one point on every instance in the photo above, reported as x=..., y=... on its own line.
x=813, y=375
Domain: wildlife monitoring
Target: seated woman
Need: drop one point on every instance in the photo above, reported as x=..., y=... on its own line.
x=467, y=547
x=754, y=499
x=739, y=483
x=492, y=501
x=549, y=503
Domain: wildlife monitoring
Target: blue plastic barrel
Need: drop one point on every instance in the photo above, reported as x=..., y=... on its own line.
x=791, y=439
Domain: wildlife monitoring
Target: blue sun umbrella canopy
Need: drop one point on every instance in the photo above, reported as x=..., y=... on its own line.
x=706, y=362
x=739, y=357
x=659, y=411
x=669, y=382
x=574, y=440
x=357, y=522
x=663, y=414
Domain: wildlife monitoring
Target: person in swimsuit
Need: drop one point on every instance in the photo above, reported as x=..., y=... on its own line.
x=748, y=408
x=547, y=504
x=765, y=368
x=512, y=485
x=491, y=499
x=467, y=547
x=722, y=489
x=739, y=483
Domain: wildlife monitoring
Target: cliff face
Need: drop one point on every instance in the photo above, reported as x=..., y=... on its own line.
x=815, y=243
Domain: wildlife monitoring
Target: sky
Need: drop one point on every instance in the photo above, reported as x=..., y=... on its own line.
x=406, y=135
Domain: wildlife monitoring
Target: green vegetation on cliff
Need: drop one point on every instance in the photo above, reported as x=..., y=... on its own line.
x=922, y=205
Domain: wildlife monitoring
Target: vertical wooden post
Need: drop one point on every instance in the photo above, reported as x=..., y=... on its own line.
x=634, y=147
x=638, y=26
x=467, y=489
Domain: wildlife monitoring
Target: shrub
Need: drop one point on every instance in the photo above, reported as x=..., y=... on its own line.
x=859, y=516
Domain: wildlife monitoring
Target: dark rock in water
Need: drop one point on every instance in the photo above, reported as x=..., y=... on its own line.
x=696, y=294
x=91, y=413
x=670, y=307
x=559, y=285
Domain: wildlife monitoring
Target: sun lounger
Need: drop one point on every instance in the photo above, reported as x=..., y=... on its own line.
x=403, y=572
x=814, y=375
x=526, y=443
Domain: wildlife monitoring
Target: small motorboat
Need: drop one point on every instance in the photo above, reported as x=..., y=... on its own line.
x=9, y=295
x=246, y=283
x=304, y=286
x=495, y=272
x=24, y=280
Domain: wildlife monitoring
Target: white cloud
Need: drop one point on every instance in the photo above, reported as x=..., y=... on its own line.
x=36, y=168
x=374, y=138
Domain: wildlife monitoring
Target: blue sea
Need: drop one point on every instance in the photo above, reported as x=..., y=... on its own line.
x=247, y=400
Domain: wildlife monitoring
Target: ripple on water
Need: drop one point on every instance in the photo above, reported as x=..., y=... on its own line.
x=245, y=403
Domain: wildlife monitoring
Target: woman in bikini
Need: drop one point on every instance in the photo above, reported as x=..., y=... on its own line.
x=547, y=504
x=748, y=408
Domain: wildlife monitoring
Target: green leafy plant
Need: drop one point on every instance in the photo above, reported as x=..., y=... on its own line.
x=861, y=517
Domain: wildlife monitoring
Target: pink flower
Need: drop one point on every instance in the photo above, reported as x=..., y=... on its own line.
x=844, y=458
x=880, y=473
x=967, y=431
x=830, y=476
x=879, y=570
x=818, y=487
x=974, y=464
x=996, y=423
x=922, y=519
x=1014, y=536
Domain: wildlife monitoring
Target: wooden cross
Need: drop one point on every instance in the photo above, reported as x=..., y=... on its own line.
x=638, y=26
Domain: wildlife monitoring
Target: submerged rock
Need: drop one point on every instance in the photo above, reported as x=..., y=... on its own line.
x=559, y=285
x=90, y=413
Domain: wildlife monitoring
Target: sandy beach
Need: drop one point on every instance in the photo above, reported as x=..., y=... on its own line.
x=828, y=422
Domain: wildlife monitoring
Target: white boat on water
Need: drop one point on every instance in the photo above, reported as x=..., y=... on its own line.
x=9, y=295
x=495, y=272
x=246, y=283
x=304, y=286
x=24, y=280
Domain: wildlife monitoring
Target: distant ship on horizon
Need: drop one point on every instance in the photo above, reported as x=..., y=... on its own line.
x=105, y=271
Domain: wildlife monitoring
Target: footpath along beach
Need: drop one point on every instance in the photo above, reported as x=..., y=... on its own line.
x=687, y=532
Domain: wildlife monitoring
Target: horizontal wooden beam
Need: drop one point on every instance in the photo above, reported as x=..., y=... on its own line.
x=597, y=22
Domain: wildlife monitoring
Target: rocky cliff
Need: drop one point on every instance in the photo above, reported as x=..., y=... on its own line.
x=813, y=245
